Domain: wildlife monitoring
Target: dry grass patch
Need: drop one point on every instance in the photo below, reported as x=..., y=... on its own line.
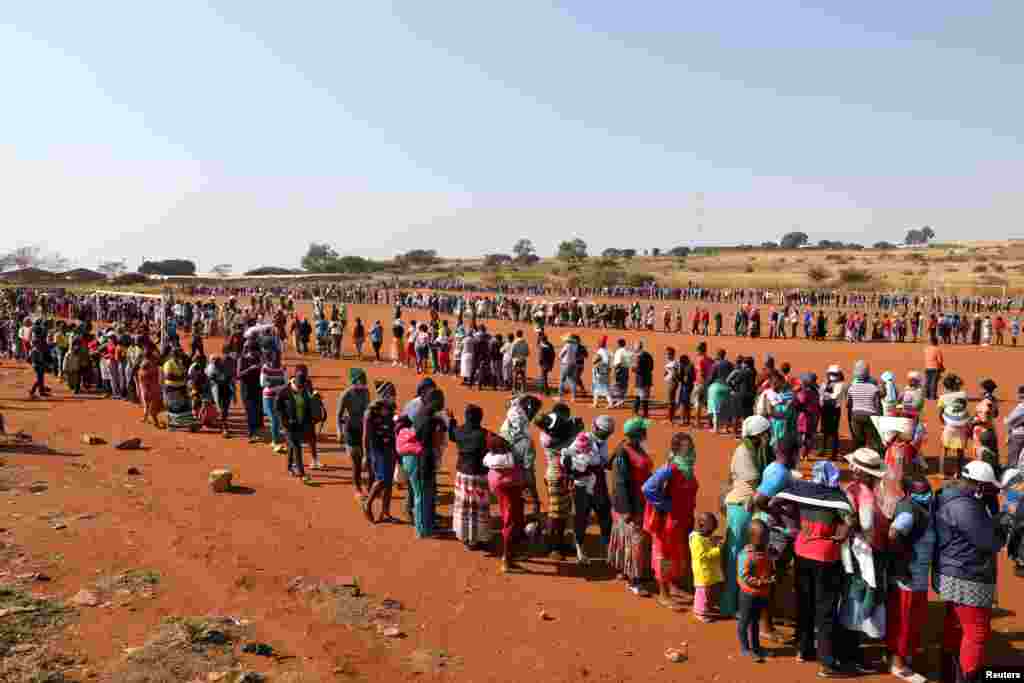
x=28, y=627
x=185, y=649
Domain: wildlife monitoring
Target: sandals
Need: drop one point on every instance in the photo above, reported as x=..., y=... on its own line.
x=668, y=604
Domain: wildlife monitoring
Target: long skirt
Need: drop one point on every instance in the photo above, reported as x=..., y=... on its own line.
x=149, y=392
x=629, y=550
x=559, y=497
x=471, y=518
x=670, y=555
x=179, y=408
x=621, y=384
x=737, y=527
x=467, y=366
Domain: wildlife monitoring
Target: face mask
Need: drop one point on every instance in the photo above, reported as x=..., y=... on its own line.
x=921, y=498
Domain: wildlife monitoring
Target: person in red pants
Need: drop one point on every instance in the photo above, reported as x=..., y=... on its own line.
x=968, y=539
x=912, y=543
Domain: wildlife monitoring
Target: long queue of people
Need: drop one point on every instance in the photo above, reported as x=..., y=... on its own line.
x=861, y=558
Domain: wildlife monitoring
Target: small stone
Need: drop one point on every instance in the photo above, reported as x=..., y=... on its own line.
x=389, y=631
x=220, y=481
x=129, y=445
x=674, y=656
x=544, y=616
x=91, y=440
x=38, y=487
x=59, y=525
x=134, y=470
x=85, y=516
x=86, y=598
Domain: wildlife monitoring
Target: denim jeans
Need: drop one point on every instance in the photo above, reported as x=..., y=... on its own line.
x=252, y=413
x=275, y=420
x=748, y=621
x=295, y=452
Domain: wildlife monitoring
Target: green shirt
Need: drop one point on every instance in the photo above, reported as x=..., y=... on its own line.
x=300, y=406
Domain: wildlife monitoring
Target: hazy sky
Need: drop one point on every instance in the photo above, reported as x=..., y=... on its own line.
x=185, y=129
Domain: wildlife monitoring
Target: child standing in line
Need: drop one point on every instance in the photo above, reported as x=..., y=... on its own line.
x=708, y=578
x=755, y=574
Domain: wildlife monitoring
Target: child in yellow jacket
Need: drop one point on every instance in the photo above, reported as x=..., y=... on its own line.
x=706, y=554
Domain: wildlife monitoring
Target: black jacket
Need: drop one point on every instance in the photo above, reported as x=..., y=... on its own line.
x=968, y=538
x=286, y=408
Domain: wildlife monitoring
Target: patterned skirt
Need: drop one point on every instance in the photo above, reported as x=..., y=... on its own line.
x=629, y=550
x=559, y=495
x=471, y=514
x=179, y=408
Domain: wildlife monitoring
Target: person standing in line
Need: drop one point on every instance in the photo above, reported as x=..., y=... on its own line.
x=293, y=404
x=644, y=380
x=622, y=363
x=933, y=368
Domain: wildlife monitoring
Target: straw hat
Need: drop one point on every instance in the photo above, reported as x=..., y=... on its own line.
x=903, y=426
x=867, y=461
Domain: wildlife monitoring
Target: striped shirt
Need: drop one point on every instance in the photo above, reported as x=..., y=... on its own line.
x=865, y=398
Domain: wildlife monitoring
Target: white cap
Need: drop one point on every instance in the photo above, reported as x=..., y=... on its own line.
x=981, y=472
x=755, y=424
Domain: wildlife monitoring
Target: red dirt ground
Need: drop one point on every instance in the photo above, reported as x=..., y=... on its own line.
x=236, y=554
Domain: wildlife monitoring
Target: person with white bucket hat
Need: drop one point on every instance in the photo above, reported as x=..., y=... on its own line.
x=968, y=541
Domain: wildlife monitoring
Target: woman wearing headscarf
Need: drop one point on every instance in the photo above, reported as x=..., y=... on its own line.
x=912, y=544
x=749, y=461
x=558, y=429
x=808, y=413
x=952, y=407
x=824, y=526
x=629, y=551
x=352, y=405
x=471, y=518
x=671, y=493
x=864, y=556
x=833, y=396
x=968, y=541
x=176, y=397
x=426, y=427
x=509, y=475
x=380, y=448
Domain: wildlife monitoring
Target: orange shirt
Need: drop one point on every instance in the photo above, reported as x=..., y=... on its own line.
x=933, y=358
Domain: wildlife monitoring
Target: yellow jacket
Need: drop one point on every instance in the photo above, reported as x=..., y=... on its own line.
x=706, y=557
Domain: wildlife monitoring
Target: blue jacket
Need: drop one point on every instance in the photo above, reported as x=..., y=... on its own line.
x=968, y=538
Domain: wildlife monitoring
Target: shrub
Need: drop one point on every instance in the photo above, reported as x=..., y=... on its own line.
x=854, y=276
x=130, y=279
x=818, y=274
